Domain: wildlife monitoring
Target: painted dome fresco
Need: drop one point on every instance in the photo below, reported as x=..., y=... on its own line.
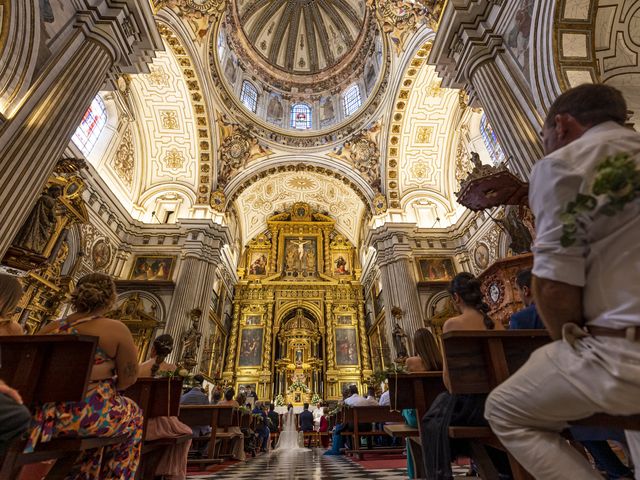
x=302, y=36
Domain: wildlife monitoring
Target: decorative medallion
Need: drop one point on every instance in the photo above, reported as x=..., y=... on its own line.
x=101, y=254
x=158, y=77
x=169, y=119
x=495, y=292
x=424, y=135
x=217, y=200
x=379, y=204
x=419, y=169
x=301, y=183
x=199, y=14
x=174, y=160
x=363, y=153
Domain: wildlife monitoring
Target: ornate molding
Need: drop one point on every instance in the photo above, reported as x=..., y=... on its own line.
x=363, y=153
x=198, y=14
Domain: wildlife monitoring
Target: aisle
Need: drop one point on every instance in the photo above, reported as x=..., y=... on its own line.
x=307, y=465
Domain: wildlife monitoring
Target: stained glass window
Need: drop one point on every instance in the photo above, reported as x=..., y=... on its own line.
x=491, y=141
x=301, y=116
x=351, y=99
x=91, y=126
x=249, y=96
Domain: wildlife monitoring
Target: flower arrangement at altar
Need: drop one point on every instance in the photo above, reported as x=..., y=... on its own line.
x=315, y=399
x=279, y=400
x=298, y=385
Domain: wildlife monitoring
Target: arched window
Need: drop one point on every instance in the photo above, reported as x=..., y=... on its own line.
x=301, y=116
x=249, y=96
x=91, y=126
x=351, y=99
x=491, y=141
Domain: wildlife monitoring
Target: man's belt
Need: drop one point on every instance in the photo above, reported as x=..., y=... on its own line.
x=630, y=333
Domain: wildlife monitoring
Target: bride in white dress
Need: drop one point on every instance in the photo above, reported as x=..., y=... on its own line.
x=290, y=439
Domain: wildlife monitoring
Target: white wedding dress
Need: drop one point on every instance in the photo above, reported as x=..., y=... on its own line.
x=290, y=439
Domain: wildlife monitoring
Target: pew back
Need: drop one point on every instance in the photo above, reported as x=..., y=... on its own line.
x=157, y=397
x=478, y=361
x=415, y=390
x=47, y=368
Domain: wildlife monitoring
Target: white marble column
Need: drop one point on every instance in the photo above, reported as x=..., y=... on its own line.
x=399, y=285
x=201, y=256
x=469, y=53
x=105, y=36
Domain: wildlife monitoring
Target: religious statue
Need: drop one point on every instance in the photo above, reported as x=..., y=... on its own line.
x=520, y=235
x=39, y=226
x=399, y=337
x=191, y=340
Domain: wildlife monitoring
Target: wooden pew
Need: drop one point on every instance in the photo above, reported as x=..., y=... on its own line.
x=157, y=397
x=417, y=391
x=480, y=361
x=217, y=417
x=48, y=368
x=368, y=415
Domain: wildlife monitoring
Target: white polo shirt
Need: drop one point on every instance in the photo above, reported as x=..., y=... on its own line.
x=605, y=257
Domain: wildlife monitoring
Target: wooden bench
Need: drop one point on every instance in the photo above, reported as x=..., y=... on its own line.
x=480, y=361
x=416, y=391
x=217, y=417
x=355, y=416
x=48, y=368
x=156, y=397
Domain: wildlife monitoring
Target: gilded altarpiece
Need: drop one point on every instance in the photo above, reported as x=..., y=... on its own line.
x=298, y=321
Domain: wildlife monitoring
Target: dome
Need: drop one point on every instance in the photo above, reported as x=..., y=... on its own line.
x=302, y=36
x=302, y=70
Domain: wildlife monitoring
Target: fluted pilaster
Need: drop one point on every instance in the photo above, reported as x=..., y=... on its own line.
x=107, y=34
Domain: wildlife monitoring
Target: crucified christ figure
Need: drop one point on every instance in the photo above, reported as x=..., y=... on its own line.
x=300, y=245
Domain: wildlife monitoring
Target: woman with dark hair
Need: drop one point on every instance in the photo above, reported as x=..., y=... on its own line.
x=238, y=438
x=173, y=463
x=448, y=409
x=103, y=412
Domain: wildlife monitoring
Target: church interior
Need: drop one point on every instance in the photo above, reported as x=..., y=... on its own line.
x=285, y=187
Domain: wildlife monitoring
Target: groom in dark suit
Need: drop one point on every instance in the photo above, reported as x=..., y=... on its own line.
x=306, y=421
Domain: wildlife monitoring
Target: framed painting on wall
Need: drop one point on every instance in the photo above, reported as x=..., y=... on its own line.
x=341, y=264
x=346, y=346
x=300, y=257
x=436, y=269
x=258, y=263
x=152, y=267
x=344, y=319
x=250, y=348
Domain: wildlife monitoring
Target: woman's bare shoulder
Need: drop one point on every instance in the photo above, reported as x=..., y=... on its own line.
x=454, y=323
x=11, y=328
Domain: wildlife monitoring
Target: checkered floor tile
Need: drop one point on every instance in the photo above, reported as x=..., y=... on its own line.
x=307, y=465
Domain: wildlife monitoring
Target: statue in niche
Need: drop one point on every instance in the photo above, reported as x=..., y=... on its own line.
x=191, y=340
x=520, y=235
x=38, y=229
x=274, y=109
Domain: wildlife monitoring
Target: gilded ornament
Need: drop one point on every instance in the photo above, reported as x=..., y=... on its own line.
x=169, y=119
x=424, y=134
x=123, y=160
x=379, y=204
x=217, y=200
x=174, y=160
x=419, y=169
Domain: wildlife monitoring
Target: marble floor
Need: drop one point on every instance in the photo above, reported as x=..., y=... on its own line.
x=302, y=465
x=306, y=465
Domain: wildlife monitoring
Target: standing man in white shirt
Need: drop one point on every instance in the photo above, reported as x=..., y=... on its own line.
x=585, y=196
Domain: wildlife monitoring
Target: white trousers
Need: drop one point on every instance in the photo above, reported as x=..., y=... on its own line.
x=562, y=381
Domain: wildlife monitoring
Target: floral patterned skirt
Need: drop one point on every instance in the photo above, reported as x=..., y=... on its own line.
x=103, y=413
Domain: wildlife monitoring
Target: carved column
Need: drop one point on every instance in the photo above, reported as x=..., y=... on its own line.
x=366, y=357
x=104, y=36
x=229, y=369
x=469, y=53
x=200, y=259
x=399, y=286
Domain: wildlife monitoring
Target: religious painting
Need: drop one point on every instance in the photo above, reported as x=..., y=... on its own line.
x=384, y=345
x=327, y=111
x=346, y=346
x=152, y=267
x=249, y=389
x=258, y=263
x=436, y=269
x=376, y=354
x=518, y=34
x=253, y=319
x=300, y=257
x=481, y=256
x=101, y=254
x=275, y=110
x=341, y=264
x=345, y=385
x=250, y=348
x=344, y=319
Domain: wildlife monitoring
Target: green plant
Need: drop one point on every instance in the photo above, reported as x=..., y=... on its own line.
x=279, y=400
x=315, y=399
